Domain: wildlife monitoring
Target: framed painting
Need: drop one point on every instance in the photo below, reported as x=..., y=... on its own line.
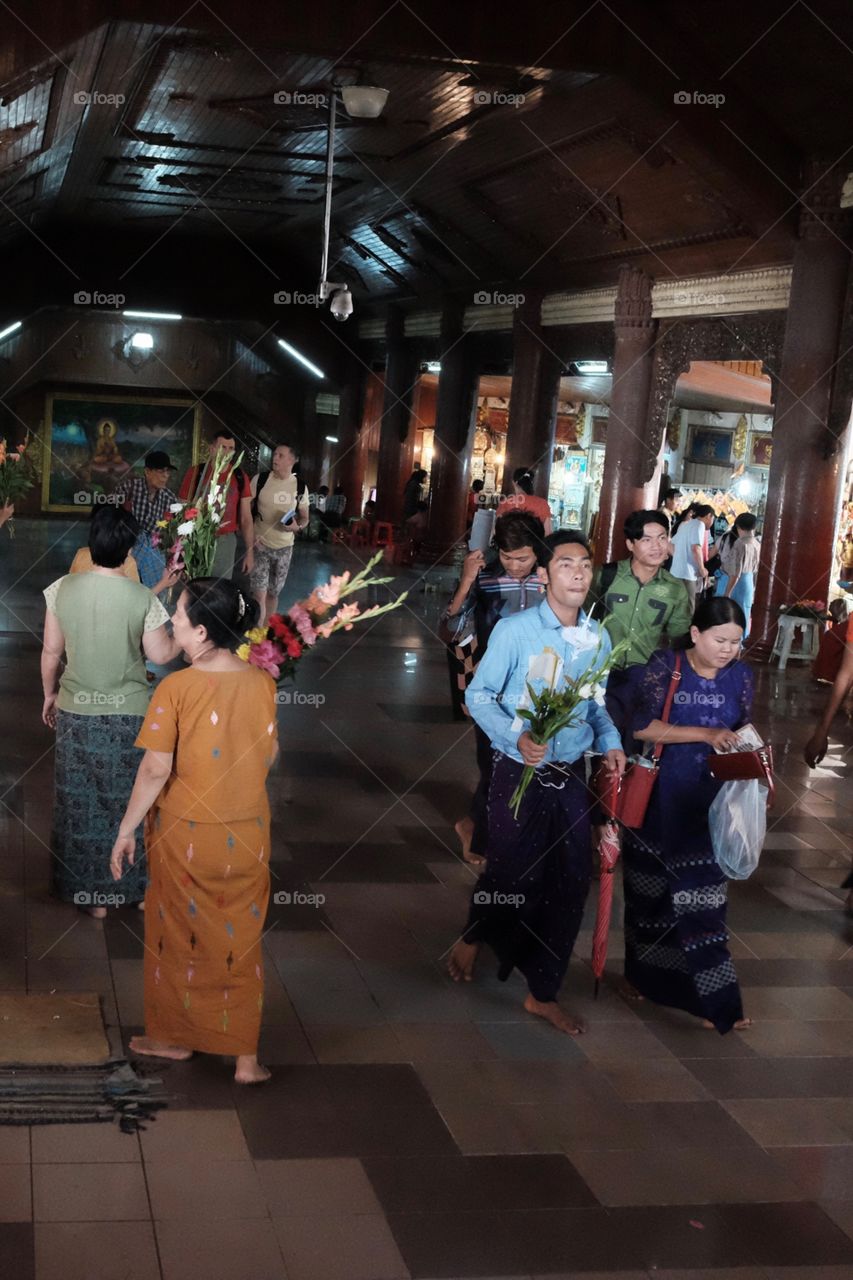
x=710, y=445
x=93, y=442
x=762, y=450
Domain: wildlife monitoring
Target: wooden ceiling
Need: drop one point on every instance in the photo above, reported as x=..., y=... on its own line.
x=192, y=155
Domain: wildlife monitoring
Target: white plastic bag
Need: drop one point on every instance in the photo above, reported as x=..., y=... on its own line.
x=738, y=822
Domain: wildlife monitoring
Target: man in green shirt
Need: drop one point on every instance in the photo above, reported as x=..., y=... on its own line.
x=641, y=602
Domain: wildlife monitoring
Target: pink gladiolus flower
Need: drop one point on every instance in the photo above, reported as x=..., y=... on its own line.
x=267, y=656
x=302, y=621
x=330, y=592
x=341, y=620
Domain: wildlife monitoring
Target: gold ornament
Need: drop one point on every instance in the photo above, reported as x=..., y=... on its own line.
x=739, y=441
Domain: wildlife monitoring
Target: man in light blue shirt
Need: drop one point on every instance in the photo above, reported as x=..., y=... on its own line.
x=528, y=903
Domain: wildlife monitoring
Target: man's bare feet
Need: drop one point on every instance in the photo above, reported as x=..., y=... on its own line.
x=249, y=1070
x=742, y=1024
x=464, y=828
x=551, y=1012
x=463, y=956
x=156, y=1049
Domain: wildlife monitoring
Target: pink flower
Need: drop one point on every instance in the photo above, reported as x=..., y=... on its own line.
x=330, y=592
x=302, y=621
x=267, y=656
x=342, y=620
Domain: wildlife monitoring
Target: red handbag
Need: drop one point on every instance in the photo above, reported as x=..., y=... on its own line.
x=626, y=798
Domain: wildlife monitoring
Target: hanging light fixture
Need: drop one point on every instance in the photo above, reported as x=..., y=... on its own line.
x=362, y=102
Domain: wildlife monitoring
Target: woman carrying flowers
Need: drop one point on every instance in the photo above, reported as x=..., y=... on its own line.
x=209, y=740
x=528, y=903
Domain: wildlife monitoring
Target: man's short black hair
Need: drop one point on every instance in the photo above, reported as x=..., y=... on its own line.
x=477, y=485
x=637, y=521
x=671, y=493
x=701, y=510
x=112, y=533
x=221, y=433
x=559, y=539
x=520, y=529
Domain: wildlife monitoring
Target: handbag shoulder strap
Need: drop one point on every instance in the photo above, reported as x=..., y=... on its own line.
x=667, y=706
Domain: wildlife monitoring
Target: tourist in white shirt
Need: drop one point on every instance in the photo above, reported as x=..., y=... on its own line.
x=280, y=511
x=689, y=551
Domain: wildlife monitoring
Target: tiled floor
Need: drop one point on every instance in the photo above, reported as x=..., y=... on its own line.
x=412, y=1129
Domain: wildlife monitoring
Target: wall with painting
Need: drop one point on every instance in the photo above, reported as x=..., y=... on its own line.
x=727, y=451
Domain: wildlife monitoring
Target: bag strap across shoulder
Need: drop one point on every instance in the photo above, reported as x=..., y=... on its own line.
x=667, y=706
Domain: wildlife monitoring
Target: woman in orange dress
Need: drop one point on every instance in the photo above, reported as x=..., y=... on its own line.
x=210, y=740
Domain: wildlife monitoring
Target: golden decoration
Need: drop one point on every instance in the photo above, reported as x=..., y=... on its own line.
x=739, y=441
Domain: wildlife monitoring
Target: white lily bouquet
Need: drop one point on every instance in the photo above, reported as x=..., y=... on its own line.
x=562, y=701
x=187, y=535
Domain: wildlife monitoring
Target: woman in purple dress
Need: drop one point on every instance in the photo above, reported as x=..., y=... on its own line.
x=675, y=892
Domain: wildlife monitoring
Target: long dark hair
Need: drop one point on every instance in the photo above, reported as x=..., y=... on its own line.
x=523, y=477
x=225, y=612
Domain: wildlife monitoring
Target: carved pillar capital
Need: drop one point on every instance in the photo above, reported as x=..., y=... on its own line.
x=633, y=299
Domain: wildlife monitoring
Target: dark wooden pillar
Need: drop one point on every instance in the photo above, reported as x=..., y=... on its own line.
x=350, y=452
x=454, y=425
x=625, y=455
x=802, y=493
x=395, y=447
x=536, y=373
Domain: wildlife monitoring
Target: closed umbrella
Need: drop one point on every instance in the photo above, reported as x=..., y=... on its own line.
x=608, y=851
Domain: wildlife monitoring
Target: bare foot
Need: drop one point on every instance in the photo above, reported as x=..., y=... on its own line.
x=97, y=913
x=249, y=1070
x=551, y=1012
x=464, y=828
x=156, y=1049
x=463, y=956
x=630, y=992
x=140, y=906
x=742, y=1024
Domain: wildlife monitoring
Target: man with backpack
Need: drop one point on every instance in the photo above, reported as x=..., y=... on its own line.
x=280, y=510
x=638, y=600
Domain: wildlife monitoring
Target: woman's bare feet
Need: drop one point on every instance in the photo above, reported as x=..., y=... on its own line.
x=630, y=992
x=140, y=906
x=551, y=1012
x=464, y=828
x=742, y=1024
x=97, y=913
x=156, y=1049
x=249, y=1070
x=463, y=957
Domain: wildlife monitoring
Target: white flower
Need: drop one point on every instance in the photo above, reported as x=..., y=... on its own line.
x=582, y=639
x=586, y=691
x=176, y=507
x=214, y=491
x=185, y=528
x=216, y=516
x=598, y=695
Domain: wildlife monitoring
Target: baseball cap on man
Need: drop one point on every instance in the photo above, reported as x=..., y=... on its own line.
x=159, y=461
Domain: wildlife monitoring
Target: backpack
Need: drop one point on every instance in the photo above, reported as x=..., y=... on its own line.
x=605, y=582
x=263, y=476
